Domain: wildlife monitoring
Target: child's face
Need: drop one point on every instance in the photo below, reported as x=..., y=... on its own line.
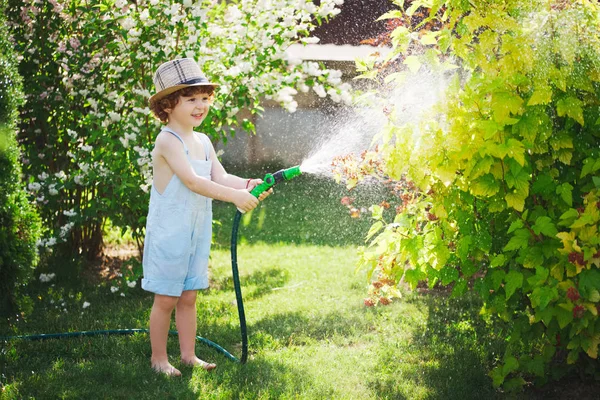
x=190, y=110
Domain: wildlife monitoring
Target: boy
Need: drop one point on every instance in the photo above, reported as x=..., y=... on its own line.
x=186, y=177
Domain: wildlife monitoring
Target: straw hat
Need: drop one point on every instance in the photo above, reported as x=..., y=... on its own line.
x=177, y=74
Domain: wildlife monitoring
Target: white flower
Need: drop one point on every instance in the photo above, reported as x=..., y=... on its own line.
x=86, y=148
x=233, y=71
x=187, y=3
x=124, y=142
x=47, y=277
x=127, y=23
x=34, y=186
x=114, y=289
x=144, y=15
x=65, y=229
x=86, y=304
x=131, y=284
x=51, y=242
x=85, y=167
x=320, y=90
x=52, y=190
x=79, y=180
x=69, y=213
x=122, y=294
x=232, y=15
x=72, y=133
x=310, y=40
x=115, y=117
x=42, y=176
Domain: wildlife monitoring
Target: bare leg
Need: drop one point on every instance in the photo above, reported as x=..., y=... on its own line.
x=185, y=317
x=160, y=319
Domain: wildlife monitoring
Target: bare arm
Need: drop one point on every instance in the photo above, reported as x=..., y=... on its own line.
x=170, y=148
x=221, y=176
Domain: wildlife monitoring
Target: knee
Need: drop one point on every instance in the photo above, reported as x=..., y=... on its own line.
x=187, y=300
x=165, y=303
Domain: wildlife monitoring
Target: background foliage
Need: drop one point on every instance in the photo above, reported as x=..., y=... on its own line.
x=86, y=127
x=498, y=186
x=18, y=218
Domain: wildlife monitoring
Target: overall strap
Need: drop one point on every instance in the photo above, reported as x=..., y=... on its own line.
x=166, y=129
x=206, y=143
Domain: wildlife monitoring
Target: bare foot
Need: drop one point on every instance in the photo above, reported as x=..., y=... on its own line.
x=166, y=368
x=196, y=362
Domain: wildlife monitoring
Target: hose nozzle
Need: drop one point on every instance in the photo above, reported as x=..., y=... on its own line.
x=271, y=180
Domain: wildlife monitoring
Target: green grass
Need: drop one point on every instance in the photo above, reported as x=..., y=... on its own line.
x=310, y=337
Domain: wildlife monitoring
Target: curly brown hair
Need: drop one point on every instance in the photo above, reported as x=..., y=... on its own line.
x=159, y=106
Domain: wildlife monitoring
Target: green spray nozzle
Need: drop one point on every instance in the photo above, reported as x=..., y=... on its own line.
x=271, y=180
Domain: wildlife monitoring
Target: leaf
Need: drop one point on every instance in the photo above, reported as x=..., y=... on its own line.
x=429, y=38
x=413, y=63
x=571, y=107
x=565, y=191
x=515, y=200
x=541, y=274
x=592, y=350
x=545, y=226
x=510, y=365
x=463, y=246
x=514, y=280
x=377, y=212
x=515, y=225
x=519, y=240
x=498, y=261
x=485, y=186
x=542, y=95
x=589, y=280
x=564, y=316
x=374, y=229
x=460, y=288
x=542, y=296
x=544, y=184
x=590, y=165
x=393, y=14
x=448, y=274
x=497, y=278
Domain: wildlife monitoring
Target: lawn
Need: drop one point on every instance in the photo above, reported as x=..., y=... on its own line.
x=310, y=335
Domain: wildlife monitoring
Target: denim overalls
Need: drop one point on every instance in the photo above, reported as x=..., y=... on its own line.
x=178, y=233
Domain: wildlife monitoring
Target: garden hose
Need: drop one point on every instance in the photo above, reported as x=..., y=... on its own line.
x=269, y=181
x=45, y=336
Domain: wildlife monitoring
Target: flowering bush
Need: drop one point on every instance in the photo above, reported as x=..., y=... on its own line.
x=86, y=126
x=19, y=221
x=506, y=197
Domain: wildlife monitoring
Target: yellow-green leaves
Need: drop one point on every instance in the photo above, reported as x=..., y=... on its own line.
x=570, y=106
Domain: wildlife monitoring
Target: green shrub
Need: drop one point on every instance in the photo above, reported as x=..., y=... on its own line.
x=19, y=221
x=507, y=199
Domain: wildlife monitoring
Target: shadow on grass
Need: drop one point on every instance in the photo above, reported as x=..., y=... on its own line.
x=256, y=284
x=447, y=359
x=119, y=368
